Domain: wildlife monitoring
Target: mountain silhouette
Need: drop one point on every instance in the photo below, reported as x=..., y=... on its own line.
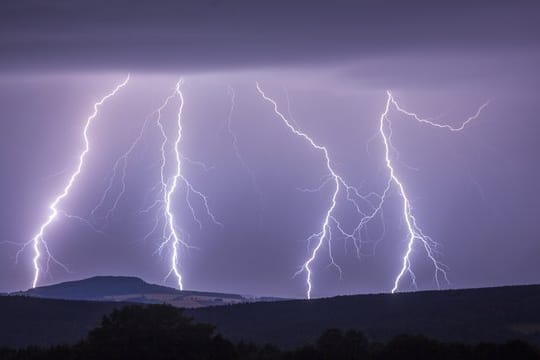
x=131, y=289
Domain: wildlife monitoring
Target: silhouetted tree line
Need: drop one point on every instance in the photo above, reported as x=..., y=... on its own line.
x=163, y=332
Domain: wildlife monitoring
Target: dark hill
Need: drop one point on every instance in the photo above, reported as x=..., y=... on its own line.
x=132, y=289
x=472, y=315
x=96, y=288
x=99, y=287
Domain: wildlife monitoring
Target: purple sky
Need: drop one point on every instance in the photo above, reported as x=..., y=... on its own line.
x=474, y=192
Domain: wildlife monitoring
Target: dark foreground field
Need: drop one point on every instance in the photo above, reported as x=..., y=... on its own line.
x=472, y=315
x=28, y=321
x=465, y=316
x=163, y=332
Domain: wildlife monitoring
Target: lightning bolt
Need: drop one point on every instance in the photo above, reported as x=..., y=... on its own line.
x=174, y=237
x=415, y=233
x=352, y=194
x=38, y=241
x=168, y=186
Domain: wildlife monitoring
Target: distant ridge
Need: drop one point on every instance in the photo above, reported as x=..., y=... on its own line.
x=97, y=287
x=132, y=289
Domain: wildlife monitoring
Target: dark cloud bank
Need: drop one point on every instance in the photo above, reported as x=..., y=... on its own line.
x=199, y=34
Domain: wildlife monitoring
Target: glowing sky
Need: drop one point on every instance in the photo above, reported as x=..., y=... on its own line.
x=474, y=192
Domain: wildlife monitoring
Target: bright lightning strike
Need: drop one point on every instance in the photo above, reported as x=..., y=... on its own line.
x=174, y=237
x=168, y=186
x=38, y=242
x=352, y=196
x=415, y=233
